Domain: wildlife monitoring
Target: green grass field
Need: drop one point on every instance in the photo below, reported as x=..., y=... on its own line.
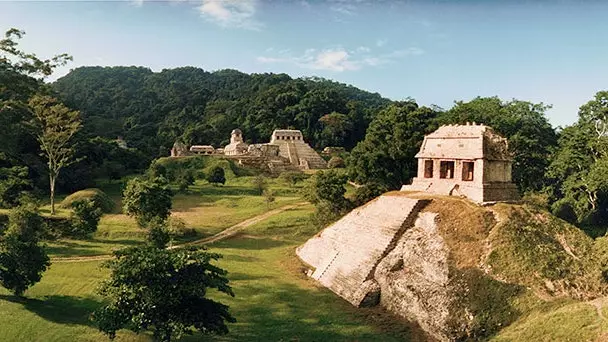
x=274, y=299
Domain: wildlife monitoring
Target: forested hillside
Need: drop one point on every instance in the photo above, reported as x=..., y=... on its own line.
x=153, y=110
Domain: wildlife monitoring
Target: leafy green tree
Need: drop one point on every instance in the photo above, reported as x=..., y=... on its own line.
x=147, y=200
x=14, y=181
x=185, y=178
x=531, y=137
x=165, y=292
x=57, y=125
x=22, y=258
x=328, y=188
x=367, y=192
x=336, y=128
x=579, y=167
x=386, y=155
x=216, y=176
x=21, y=76
x=85, y=218
x=292, y=178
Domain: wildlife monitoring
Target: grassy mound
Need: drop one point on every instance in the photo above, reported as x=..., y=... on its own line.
x=508, y=262
x=100, y=198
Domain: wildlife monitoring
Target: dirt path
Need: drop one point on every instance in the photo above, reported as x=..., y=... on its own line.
x=224, y=234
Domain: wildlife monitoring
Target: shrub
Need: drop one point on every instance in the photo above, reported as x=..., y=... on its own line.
x=85, y=218
x=367, y=192
x=184, y=179
x=336, y=163
x=293, y=177
x=216, y=176
x=147, y=200
x=100, y=199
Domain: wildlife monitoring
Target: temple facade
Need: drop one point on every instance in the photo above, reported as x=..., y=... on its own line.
x=465, y=160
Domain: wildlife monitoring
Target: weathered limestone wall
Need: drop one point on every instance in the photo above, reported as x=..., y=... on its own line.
x=414, y=277
x=345, y=254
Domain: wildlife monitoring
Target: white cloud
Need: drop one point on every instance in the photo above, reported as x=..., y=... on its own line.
x=339, y=59
x=381, y=42
x=137, y=3
x=231, y=13
x=334, y=60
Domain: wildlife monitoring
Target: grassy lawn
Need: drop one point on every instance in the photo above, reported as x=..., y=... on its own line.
x=274, y=300
x=206, y=208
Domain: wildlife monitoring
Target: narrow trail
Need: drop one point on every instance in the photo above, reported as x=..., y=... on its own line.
x=224, y=234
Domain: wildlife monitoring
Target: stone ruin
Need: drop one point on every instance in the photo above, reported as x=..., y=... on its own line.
x=286, y=151
x=293, y=147
x=389, y=252
x=465, y=160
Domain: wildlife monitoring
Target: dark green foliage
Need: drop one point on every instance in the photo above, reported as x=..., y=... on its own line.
x=579, y=167
x=165, y=292
x=199, y=107
x=147, y=200
x=184, y=179
x=386, y=156
x=85, y=218
x=367, y=192
x=158, y=234
x=326, y=191
x=336, y=163
x=14, y=181
x=22, y=259
x=292, y=178
x=216, y=176
x=530, y=135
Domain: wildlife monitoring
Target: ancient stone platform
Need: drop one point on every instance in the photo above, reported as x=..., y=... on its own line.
x=346, y=254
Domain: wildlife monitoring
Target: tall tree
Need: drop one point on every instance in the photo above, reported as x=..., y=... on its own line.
x=57, y=124
x=579, y=167
x=386, y=155
x=531, y=137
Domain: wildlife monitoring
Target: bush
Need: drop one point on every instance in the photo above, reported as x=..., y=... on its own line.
x=367, y=192
x=336, y=163
x=100, y=199
x=216, y=176
x=185, y=179
x=85, y=218
x=293, y=177
x=147, y=200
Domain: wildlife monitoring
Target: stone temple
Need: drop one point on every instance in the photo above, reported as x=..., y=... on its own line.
x=465, y=160
x=293, y=147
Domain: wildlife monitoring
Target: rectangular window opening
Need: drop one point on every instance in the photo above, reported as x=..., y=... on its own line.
x=446, y=169
x=468, y=171
x=428, y=169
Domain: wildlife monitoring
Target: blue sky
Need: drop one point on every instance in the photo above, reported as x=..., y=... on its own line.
x=436, y=52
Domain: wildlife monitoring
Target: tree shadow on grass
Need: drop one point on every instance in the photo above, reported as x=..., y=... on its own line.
x=59, y=309
x=286, y=312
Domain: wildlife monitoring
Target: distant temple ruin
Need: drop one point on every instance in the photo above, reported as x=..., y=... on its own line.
x=286, y=150
x=293, y=147
x=465, y=160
